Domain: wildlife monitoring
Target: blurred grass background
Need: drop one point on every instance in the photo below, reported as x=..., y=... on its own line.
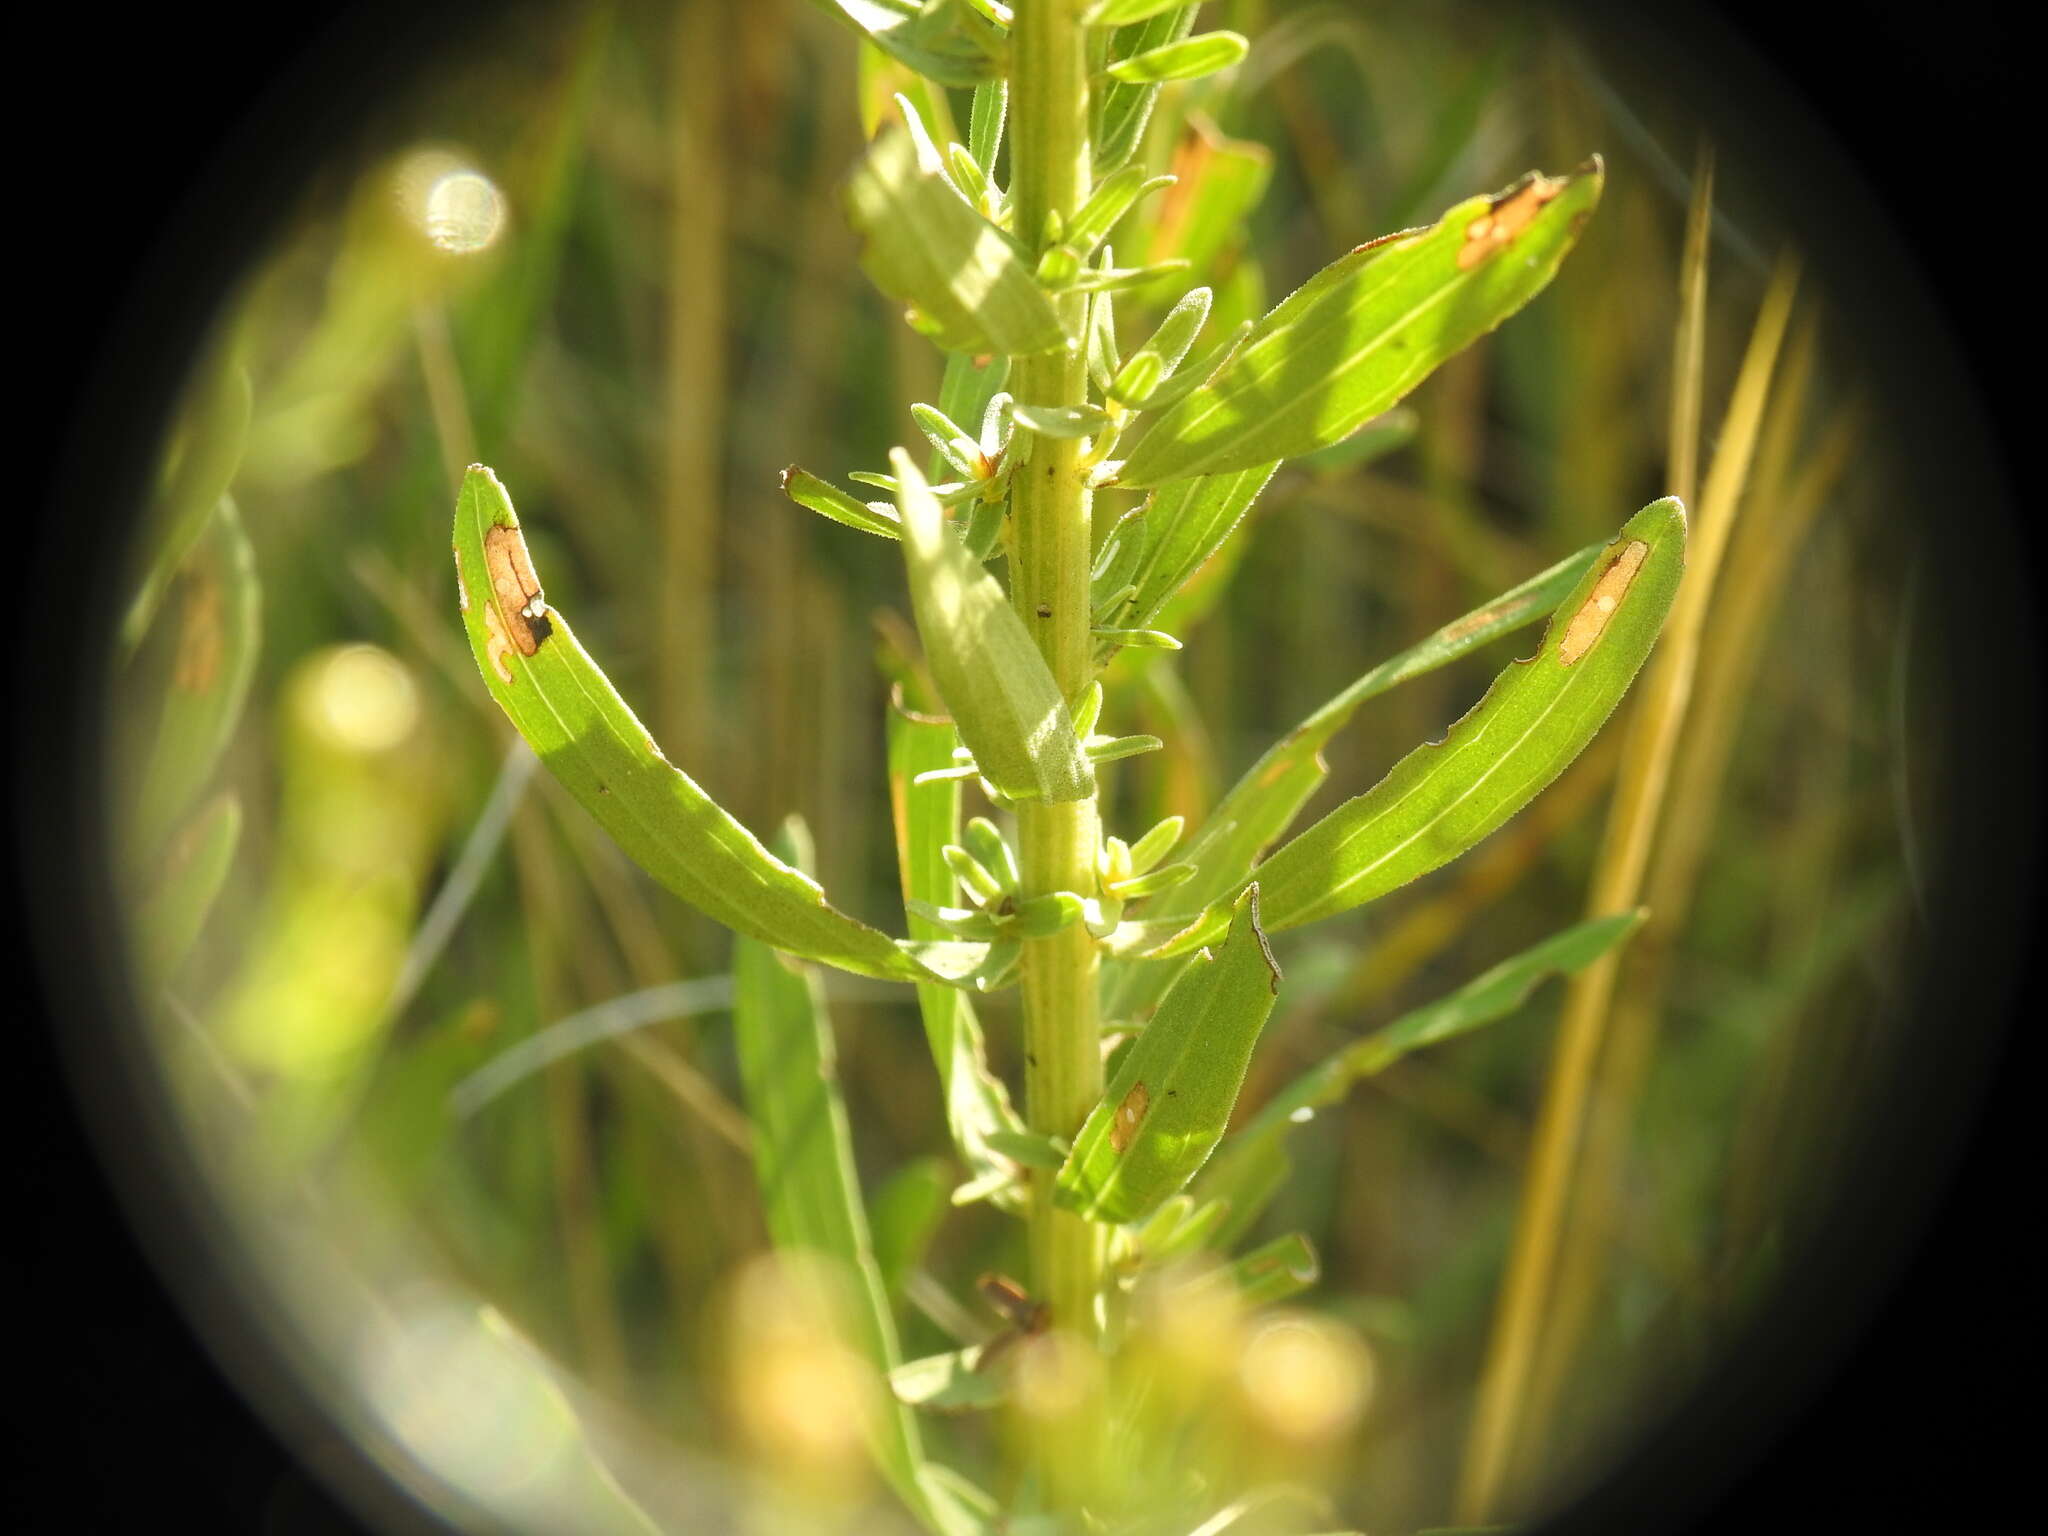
x=671, y=313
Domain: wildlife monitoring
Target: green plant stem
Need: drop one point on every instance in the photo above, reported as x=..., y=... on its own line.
x=1049, y=558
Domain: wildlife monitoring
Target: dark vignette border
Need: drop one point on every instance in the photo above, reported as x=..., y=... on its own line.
x=1869, y=1390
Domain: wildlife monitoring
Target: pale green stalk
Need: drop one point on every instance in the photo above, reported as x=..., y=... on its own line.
x=1049, y=559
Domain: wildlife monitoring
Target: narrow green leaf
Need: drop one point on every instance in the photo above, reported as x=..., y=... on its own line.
x=211, y=441
x=581, y=729
x=1115, y=13
x=949, y=1383
x=1031, y=1148
x=1538, y=715
x=1112, y=198
x=169, y=918
x=1067, y=421
x=1179, y=1227
x=928, y=247
x=1170, y=1100
x=827, y=500
x=219, y=631
x=1282, y=1268
x=1253, y=1163
x=1107, y=279
x=927, y=818
x=1163, y=350
x=1189, y=59
x=1005, y=703
x=1367, y=329
x=1186, y=381
x=803, y=1156
x=907, y=34
x=1185, y=523
x=1122, y=108
x=985, y=123
x=1264, y=802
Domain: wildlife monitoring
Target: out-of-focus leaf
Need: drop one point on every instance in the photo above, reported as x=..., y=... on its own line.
x=219, y=629
x=1004, y=701
x=928, y=247
x=1253, y=1163
x=949, y=1383
x=1264, y=802
x=1189, y=59
x=1360, y=334
x=170, y=917
x=575, y=721
x=927, y=818
x=1169, y=1101
x=209, y=451
x=1538, y=715
x=926, y=43
x=1282, y=1268
x=1218, y=181
x=1184, y=522
x=803, y=1157
x=1122, y=108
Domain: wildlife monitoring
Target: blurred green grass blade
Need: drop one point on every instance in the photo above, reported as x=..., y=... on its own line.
x=1166, y=1108
x=1368, y=328
x=803, y=1156
x=1539, y=714
x=927, y=247
x=1264, y=802
x=168, y=920
x=1185, y=523
x=1122, y=108
x=220, y=622
x=904, y=1214
x=1285, y=1267
x=949, y=1383
x=927, y=818
x=1004, y=701
x=583, y=732
x=211, y=441
x=1188, y=59
x=1253, y=1163
x=901, y=30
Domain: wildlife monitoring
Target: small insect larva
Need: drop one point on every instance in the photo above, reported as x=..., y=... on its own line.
x=1590, y=622
x=1129, y=1116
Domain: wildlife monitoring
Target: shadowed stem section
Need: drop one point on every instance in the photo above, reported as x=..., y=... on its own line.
x=1049, y=560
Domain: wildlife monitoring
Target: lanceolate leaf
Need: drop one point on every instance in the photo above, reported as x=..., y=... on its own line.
x=899, y=29
x=1005, y=703
x=1188, y=59
x=928, y=247
x=1123, y=108
x=803, y=1159
x=927, y=820
x=1265, y=801
x=1443, y=797
x=217, y=611
x=1367, y=329
x=1253, y=1163
x=581, y=729
x=1169, y=1102
x=1185, y=523
x=169, y=919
